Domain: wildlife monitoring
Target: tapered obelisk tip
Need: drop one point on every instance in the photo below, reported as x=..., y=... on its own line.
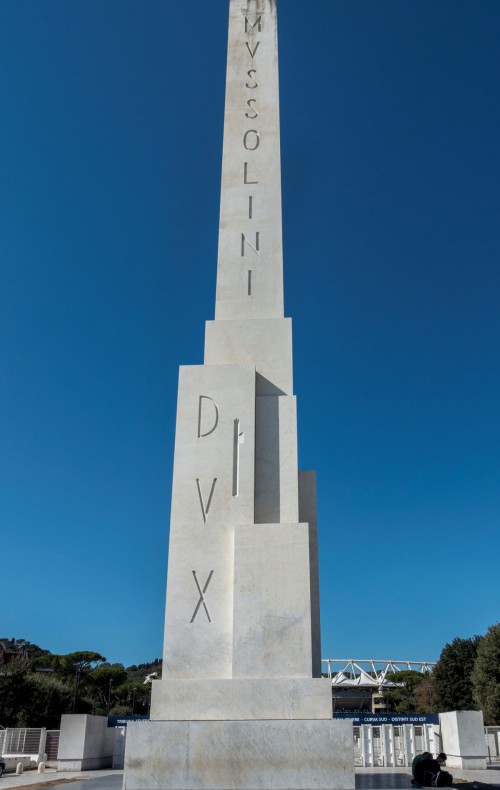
x=250, y=260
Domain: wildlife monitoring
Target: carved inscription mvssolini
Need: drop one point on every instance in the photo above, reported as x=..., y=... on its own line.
x=251, y=137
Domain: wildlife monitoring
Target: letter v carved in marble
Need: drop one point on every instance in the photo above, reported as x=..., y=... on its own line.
x=252, y=53
x=204, y=509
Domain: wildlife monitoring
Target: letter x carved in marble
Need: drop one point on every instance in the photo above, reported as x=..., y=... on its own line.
x=202, y=596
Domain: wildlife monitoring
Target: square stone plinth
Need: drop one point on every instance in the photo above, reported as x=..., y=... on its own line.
x=462, y=738
x=241, y=699
x=232, y=755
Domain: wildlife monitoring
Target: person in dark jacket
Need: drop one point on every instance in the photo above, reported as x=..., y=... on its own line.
x=426, y=771
x=415, y=761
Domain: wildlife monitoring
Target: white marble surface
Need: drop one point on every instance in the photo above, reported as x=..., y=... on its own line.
x=309, y=515
x=272, y=623
x=462, y=738
x=220, y=755
x=263, y=166
x=241, y=698
x=85, y=742
x=205, y=510
x=266, y=344
x=276, y=478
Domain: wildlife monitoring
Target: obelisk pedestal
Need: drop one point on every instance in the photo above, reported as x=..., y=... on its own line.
x=241, y=702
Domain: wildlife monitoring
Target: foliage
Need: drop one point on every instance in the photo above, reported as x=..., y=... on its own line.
x=35, y=689
x=28, y=699
x=404, y=696
x=11, y=680
x=42, y=700
x=424, y=695
x=452, y=676
x=101, y=684
x=70, y=664
x=132, y=698
x=143, y=670
x=486, y=676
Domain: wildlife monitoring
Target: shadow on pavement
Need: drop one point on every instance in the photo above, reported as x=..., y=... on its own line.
x=381, y=781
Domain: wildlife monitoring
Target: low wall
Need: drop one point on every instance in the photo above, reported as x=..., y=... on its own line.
x=85, y=743
x=11, y=762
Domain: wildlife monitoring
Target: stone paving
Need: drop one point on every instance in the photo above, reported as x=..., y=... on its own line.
x=366, y=779
x=396, y=779
x=66, y=780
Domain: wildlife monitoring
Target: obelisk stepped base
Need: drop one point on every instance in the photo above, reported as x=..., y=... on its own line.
x=255, y=755
x=240, y=699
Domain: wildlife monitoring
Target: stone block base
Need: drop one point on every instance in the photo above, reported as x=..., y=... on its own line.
x=85, y=743
x=465, y=763
x=86, y=764
x=239, y=755
x=237, y=699
x=462, y=738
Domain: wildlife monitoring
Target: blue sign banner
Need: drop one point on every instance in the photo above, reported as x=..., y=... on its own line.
x=389, y=718
x=122, y=721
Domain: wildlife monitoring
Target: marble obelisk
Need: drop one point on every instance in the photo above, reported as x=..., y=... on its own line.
x=241, y=702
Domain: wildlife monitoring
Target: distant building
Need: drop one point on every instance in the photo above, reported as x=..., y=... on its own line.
x=359, y=685
x=13, y=650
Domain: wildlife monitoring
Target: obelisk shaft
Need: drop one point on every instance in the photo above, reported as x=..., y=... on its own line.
x=249, y=327
x=250, y=261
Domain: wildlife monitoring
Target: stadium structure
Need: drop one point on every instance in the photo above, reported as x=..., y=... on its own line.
x=359, y=684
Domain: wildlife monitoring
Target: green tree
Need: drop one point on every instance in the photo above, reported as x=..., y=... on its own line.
x=72, y=669
x=486, y=676
x=404, y=695
x=11, y=681
x=38, y=687
x=67, y=665
x=43, y=699
x=31, y=699
x=131, y=698
x=424, y=694
x=102, y=685
x=452, y=681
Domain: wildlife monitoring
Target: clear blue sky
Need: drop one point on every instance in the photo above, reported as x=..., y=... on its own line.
x=111, y=141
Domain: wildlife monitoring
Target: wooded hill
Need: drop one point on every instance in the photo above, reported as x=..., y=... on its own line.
x=37, y=686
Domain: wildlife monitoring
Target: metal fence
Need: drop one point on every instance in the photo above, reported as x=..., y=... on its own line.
x=32, y=741
x=52, y=745
x=493, y=743
x=390, y=745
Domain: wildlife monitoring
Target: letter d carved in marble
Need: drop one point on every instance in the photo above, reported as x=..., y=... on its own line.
x=208, y=416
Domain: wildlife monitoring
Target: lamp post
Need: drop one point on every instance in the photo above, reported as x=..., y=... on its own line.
x=77, y=679
x=109, y=694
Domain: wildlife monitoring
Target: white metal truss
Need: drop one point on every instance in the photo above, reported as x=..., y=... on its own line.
x=370, y=672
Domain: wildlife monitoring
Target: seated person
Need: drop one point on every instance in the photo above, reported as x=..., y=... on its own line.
x=417, y=759
x=427, y=770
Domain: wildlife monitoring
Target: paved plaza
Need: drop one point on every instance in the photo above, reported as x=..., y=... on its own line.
x=366, y=779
